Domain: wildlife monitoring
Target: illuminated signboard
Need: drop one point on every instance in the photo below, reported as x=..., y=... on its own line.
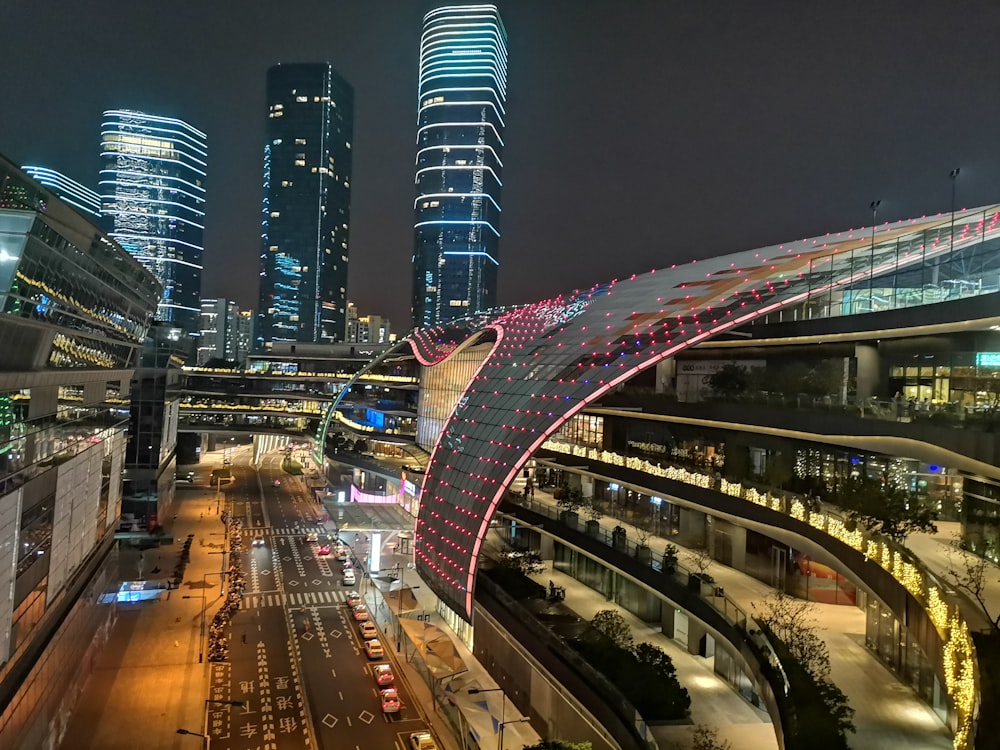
x=987, y=359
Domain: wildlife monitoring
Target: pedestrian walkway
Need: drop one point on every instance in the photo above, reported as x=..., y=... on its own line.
x=888, y=714
x=147, y=682
x=254, y=600
x=713, y=701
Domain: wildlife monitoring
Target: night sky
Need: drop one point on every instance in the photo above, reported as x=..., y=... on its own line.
x=639, y=134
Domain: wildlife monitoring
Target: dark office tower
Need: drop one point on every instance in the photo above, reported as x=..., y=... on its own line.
x=462, y=90
x=307, y=205
x=153, y=199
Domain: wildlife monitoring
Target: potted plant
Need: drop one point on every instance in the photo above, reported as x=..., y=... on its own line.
x=570, y=502
x=670, y=559
x=619, y=539
x=642, y=551
x=595, y=511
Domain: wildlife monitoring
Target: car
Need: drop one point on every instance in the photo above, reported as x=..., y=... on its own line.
x=342, y=554
x=353, y=598
x=349, y=579
x=258, y=541
x=347, y=564
x=275, y=482
x=312, y=536
x=360, y=612
x=374, y=649
x=324, y=550
x=383, y=674
x=390, y=701
x=422, y=741
x=368, y=630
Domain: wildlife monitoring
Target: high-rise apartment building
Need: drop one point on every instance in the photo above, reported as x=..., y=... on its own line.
x=367, y=329
x=80, y=197
x=462, y=90
x=307, y=205
x=153, y=198
x=219, y=331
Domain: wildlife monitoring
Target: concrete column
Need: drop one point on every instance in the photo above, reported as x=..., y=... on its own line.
x=667, y=612
x=94, y=392
x=696, y=637
x=546, y=547
x=692, y=528
x=868, y=369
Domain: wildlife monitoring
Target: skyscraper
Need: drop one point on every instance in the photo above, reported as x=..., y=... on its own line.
x=80, y=197
x=152, y=199
x=219, y=335
x=462, y=90
x=307, y=205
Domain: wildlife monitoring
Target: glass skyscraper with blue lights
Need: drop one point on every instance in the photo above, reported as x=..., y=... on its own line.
x=152, y=189
x=306, y=213
x=80, y=197
x=460, y=122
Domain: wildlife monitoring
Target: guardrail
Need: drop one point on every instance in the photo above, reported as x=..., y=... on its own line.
x=958, y=664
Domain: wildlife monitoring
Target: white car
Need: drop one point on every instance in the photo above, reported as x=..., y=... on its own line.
x=258, y=541
x=422, y=741
x=349, y=578
x=374, y=649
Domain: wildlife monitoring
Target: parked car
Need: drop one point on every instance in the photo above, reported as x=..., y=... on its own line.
x=383, y=674
x=342, y=554
x=353, y=598
x=374, y=649
x=349, y=579
x=422, y=741
x=368, y=630
x=360, y=612
x=390, y=701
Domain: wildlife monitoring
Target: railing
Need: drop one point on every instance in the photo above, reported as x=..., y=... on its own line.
x=958, y=664
x=612, y=709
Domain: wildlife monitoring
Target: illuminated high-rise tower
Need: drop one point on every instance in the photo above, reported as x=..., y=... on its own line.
x=153, y=203
x=462, y=90
x=79, y=196
x=307, y=205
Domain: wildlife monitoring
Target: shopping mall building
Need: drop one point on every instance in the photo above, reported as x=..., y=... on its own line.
x=724, y=403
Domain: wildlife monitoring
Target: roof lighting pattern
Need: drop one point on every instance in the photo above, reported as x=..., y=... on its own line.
x=153, y=198
x=462, y=90
x=80, y=197
x=553, y=358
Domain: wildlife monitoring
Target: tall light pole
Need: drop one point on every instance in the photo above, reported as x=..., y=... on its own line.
x=505, y=723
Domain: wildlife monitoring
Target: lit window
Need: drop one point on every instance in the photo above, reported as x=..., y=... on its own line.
x=300, y=162
x=315, y=98
x=275, y=214
x=274, y=248
x=300, y=141
x=302, y=98
x=435, y=204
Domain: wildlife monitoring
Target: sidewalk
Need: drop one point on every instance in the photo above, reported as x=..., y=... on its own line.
x=888, y=714
x=147, y=682
x=480, y=723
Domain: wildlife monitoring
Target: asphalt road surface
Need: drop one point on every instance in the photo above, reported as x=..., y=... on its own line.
x=296, y=656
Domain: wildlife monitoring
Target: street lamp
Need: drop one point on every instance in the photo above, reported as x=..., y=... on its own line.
x=505, y=723
x=205, y=735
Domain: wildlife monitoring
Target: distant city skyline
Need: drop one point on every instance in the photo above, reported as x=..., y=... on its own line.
x=306, y=209
x=152, y=188
x=460, y=121
x=633, y=140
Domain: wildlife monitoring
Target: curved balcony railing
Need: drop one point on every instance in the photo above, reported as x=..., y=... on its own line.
x=958, y=664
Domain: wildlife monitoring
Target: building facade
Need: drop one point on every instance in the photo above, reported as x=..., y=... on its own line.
x=152, y=189
x=74, y=308
x=367, y=329
x=79, y=196
x=307, y=205
x=460, y=122
x=219, y=332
